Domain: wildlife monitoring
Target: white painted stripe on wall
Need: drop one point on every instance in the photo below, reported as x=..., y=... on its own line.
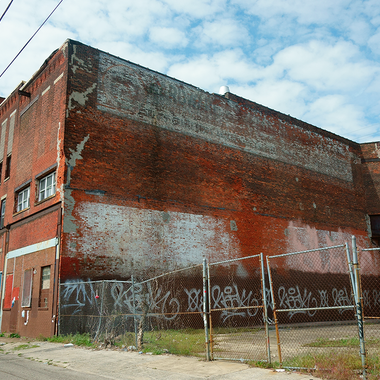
x=32, y=248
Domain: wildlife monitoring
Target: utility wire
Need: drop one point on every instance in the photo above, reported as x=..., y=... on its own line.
x=31, y=38
x=6, y=10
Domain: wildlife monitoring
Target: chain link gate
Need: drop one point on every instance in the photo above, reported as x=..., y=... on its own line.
x=313, y=302
x=237, y=309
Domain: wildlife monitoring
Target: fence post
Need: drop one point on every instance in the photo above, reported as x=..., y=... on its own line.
x=134, y=309
x=210, y=313
x=352, y=277
x=358, y=300
x=205, y=303
x=101, y=311
x=274, y=313
x=265, y=306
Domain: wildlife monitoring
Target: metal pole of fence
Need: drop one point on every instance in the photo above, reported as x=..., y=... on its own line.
x=205, y=298
x=134, y=309
x=351, y=272
x=359, y=311
x=274, y=313
x=209, y=310
x=101, y=311
x=265, y=306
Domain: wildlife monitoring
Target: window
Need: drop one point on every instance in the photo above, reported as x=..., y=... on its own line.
x=8, y=167
x=45, y=286
x=375, y=228
x=46, y=187
x=1, y=169
x=45, y=277
x=2, y=213
x=23, y=199
x=27, y=288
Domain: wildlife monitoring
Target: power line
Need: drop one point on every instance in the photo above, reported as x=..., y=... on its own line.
x=31, y=38
x=6, y=10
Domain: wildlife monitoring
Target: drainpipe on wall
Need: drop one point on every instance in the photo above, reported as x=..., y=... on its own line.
x=4, y=276
x=55, y=298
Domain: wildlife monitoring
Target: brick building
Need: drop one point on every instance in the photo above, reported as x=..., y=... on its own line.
x=110, y=169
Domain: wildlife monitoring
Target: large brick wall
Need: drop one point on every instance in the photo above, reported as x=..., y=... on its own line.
x=371, y=176
x=161, y=173
x=31, y=132
x=37, y=134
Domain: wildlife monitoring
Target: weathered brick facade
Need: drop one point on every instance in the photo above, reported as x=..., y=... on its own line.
x=153, y=174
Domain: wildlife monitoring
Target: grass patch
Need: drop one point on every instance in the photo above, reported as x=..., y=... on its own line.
x=2, y=334
x=179, y=342
x=24, y=346
x=264, y=364
x=349, y=342
x=14, y=335
x=77, y=339
x=336, y=366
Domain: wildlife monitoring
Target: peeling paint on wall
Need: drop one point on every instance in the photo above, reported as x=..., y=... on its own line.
x=59, y=157
x=80, y=97
x=69, y=224
x=304, y=238
x=80, y=62
x=143, y=238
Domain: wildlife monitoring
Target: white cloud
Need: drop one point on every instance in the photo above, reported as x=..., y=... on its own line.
x=224, y=32
x=336, y=114
x=211, y=72
x=374, y=42
x=168, y=37
x=325, y=67
x=283, y=96
x=306, y=12
x=300, y=58
x=197, y=8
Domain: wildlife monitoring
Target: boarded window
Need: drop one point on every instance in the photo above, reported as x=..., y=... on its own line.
x=27, y=288
x=8, y=292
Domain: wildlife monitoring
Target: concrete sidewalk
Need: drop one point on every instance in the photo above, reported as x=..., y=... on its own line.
x=116, y=364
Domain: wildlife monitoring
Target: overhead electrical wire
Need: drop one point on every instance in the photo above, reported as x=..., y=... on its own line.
x=6, y=10
x=30, y=38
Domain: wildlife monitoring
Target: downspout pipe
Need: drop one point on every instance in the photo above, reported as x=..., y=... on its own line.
x=4, y=277
x=55, y=298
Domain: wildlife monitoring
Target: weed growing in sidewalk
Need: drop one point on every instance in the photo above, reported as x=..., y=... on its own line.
x=77, y=339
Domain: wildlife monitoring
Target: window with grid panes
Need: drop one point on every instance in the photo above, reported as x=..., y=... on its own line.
x=46, y=187
x=23, y=199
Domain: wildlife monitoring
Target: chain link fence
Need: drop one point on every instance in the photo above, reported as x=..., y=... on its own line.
x=237, y=309
x=313, y=303
x=298, y=304
x=136, y=312
x=370, y=283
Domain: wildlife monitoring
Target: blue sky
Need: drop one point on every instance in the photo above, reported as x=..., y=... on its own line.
x=318, y=61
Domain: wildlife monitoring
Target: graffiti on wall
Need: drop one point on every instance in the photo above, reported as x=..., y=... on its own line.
x=168, y=303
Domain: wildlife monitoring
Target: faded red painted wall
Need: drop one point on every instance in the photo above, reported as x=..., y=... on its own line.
x=161, y=174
